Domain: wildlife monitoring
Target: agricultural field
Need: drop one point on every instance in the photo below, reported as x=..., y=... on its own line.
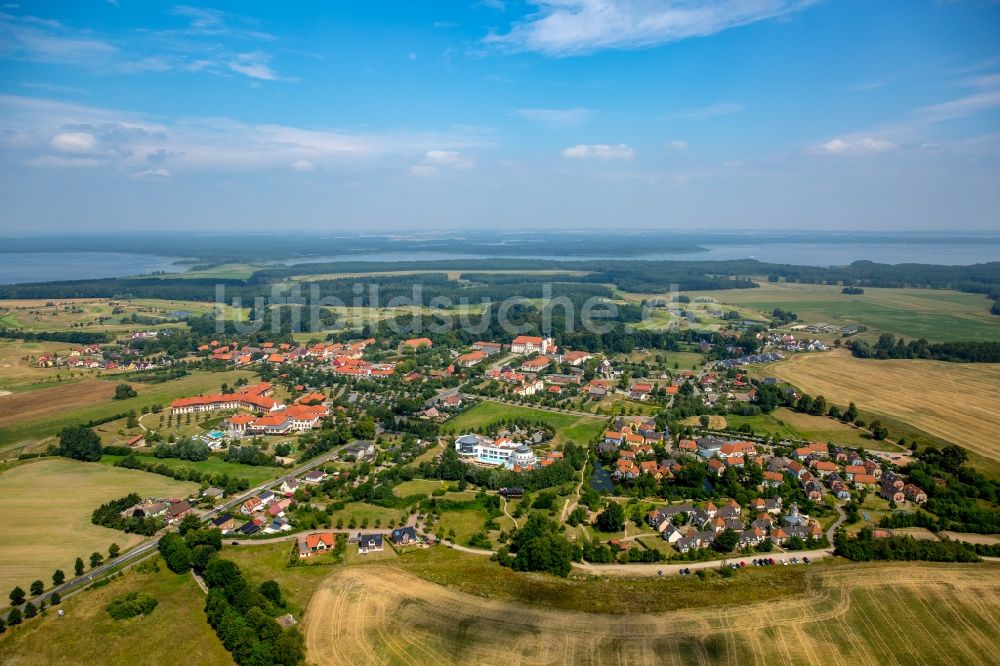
x=935, y=314
x=30, y=416
x=47, y=506
x=176, y=629
x=957, y=402
x=839, y=614
x=569, y=427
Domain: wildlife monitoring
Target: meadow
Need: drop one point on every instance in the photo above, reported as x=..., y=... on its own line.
x=957, y=402
x=569, y=427
x=46, y=518
x=176, y=629
x=786, y=423
x=938, y=315
x=256, y=474
x=830, y=614
x=95, y=314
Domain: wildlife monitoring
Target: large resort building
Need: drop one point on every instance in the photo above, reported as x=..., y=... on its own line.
x=501, y=452
x=254, y=398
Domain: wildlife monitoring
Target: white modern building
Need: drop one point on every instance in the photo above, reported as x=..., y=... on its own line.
x=501, y=452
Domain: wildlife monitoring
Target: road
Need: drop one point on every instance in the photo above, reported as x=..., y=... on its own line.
x=148, y=547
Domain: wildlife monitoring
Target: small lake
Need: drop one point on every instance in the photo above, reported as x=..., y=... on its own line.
x=16, y=267
x=600, y=480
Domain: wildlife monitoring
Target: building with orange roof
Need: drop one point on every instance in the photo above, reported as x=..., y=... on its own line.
x=417, y=343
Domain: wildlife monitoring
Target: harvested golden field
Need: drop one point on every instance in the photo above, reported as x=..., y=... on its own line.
x=35, y=405
x=912, y=613
x=958, y=402
x=46, y=519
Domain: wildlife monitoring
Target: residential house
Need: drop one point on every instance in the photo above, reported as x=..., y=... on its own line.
x=471, y=359
x=369, y=543
x=289, y=485
x=177, y=511
x=404, y=536
x=225, y=523
x=418, y=343
x=314, y=544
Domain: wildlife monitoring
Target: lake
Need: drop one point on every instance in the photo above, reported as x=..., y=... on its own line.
x=18, y=267
x=827, y=253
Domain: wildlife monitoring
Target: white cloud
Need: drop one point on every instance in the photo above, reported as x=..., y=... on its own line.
x=253, y=65
x=74, y=142
x=152, y=173
x=33, y=129
x=449, y=158
x=556, y=117
x=303, y=165
x=677, y=144
x=708, y=112
x=411, y=56
x=855, y=146
x=44, y=40
x=599, y=151
x=575, y=27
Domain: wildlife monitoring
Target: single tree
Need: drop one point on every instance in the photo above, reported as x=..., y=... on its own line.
x=612, y=519
x=58, y=578
x=30, y=610
x=113, y=550
x=37, y=587
x=78, y=566
x=14, y=617
x=55, y=598
x=95, y=559
x=17, y=596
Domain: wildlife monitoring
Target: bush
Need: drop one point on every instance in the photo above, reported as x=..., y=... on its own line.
x=132, y=604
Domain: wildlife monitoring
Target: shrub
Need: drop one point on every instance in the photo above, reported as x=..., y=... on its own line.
x=132, y=604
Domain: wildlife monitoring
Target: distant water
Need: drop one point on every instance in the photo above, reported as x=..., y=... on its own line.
x=830, y=253
x=18, y=267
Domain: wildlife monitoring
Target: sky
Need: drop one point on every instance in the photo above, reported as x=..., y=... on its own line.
x=135, y=115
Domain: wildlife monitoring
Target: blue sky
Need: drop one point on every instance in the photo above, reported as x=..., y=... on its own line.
x=562, y=114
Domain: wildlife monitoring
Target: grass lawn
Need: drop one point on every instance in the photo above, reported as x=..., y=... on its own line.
x=481, y=577
x=656, y=542
x=786, y=423
x=214, y=465
x=938, y=315
x=270, y=562
x=418, y=487
x=176, y=632
x=569, y=427
x=361, y=510
x=465, y=524
x=35, y=415
x=46, y=518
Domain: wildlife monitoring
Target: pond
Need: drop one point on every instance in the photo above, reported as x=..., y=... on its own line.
x=601, y=479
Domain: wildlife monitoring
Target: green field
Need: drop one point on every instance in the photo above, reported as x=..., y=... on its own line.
x=176, y=632
x=359, y=511
x=418, y=487
x=938, y=315
x=254, y=474
x=569, y=427
x=46, y=518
